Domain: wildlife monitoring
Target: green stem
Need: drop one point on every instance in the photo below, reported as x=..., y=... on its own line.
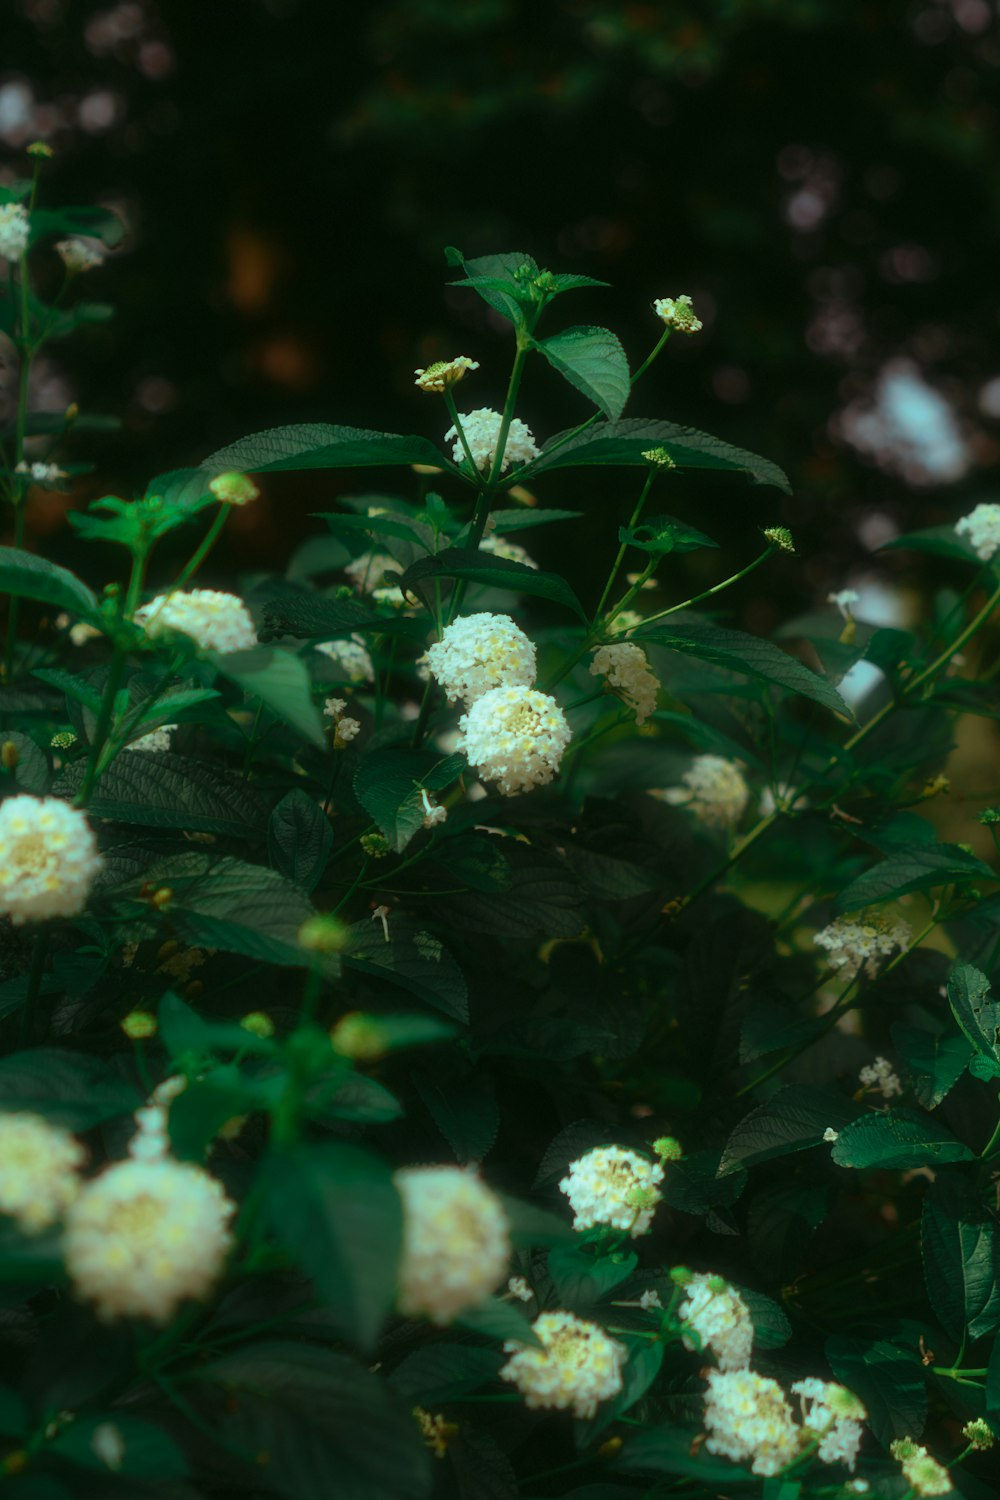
x=111, y=686
x=201, y=552
x=252, y=741
x=637, y=512
x=13, y=608
x=991, y=1144
x=449, y=401
x=715, y=589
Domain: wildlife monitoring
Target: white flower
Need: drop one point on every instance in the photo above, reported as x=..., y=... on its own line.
x=107, y=1443
x=350, y=657
x=831, y=1135
x=456, y=1242
x=577, y=1367
x=650, y=1301
x=833, y=1414
x=80, y=255
x=627, y=671
x=781, y=798
x=516, y=737
x=215, y=621
x=749, y=1420
x=714, y=790
x=39, y=1170
x=879, y=1075
x=482, y=432
x=982, y=526
x=624, y=621
x=156, y=740
x=862, y=941
x=433, y=812
x=519, y=1288
x=145, y=1235
x=44, y=474
x=14, y=230
x=922, y=1472
x=843, y=599
x=233, y=488
x=48, y=859
x=440, y=377
x=678, y=313
x=81, y=633
x=721, y=1319
x=479, y=652
x=366, y=572
x=610, y=1185
x=344, y=729
x=499, y=546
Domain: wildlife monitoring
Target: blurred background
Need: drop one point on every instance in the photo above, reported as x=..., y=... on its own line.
x=822, y=178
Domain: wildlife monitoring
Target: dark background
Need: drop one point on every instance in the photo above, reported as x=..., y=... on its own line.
x=821, y=177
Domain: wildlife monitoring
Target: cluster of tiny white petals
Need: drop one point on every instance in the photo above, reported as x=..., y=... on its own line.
x=39, y=1170
x=350, y=657
x=344, y=728
x=519, y=1288
x=649, y=1301
x=366, y=573
x=477, y=653
x=39, y=473
x=880, y=1075
x=843, y=599
x=215, y=621
x=499, y=546
x=781, y=798
x=151, y=1141
x=14, y=230
x=678, y=313
x=482, y=433
x=612, y=1186
x=156, y=740
x=749, y=1420
x=48, y=859
x=79, y=255
x=860, y=942
x=982, y=526
x=434, y=813
x=577, y=1367
x=714, y=790
x=440, y=377
x=834, y=1414
x=922, y=1472
x=627, y=671
x=720, y=1318
x=145, y=1235
x=516, y=737
x=456, y=1242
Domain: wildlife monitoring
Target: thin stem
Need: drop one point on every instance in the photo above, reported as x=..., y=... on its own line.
x=201, y=552
x=111, y=686
x=449, y=401
x=637, y=512
x=13, y=608
x=715, y=589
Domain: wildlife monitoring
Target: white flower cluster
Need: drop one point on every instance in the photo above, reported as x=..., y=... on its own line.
x=879, y=1075
x=80, y=255
x=782, y=798
x=215, y=621
x=350, y=657
x=434, y=813
x=482, y=433
x=14, y=230
x=445, y=373
x=45, y=474
x=860, y=942
x=577, y=1367
x=833, y=1414
x=233, y=488
x=749, y=1419
x=145, y=1235
x=499, y=546
x=344, y=728
x=615, y=1187
x=39, y=1170
x=519, y=1288
x=456, y=1242
x=157, y=740
x=477, y=653
x=48, y=859
x=366, y=572
x=982, y=527
x=720, y=1318
x=151, y=1141
x=677, y=313
x=922, y=1472
x=714, y=790
x=627, y=671
x=516, y=737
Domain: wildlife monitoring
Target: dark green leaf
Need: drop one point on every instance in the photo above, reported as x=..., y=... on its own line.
x=438, y=1373
x=975, y=1012
x=592, y=360
x=901, y=1139
x=492, y=276
x=351, y=1097
x=95, y=223
x=473, y=566
x=672, y=1450
x=795, y=1118
x=662, y=534
x=625, y=442
x=32, y=577
x=76, y=688
x=934, y=1063
x=387, y=783
x=522, y=517
x=888, y=1378
x=31, y=773
x=694, y=1186
x=496, y=1319
x=581, y=1278
x=336, y=1210
x=280, y=680
x=464, y=1108
x=913, y=867
x=299, y=839
x=13, y=1413
x=961, y=1265
x=159, y=789
x=415, y=960
x=941, y=541
x=146, y=1450
x=303, y=613
x=640, y=1370
x=68, y=1088
x=771, y=1328
x=319, y=445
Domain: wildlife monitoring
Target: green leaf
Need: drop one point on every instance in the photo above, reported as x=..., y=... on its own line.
x=592, y=360
x=495, y=572
x=794, y=1119
x=76, y=688
x=93, y=223
x=415, y=960
x=336, y=1210
x=694, y=1186
x=290, y=609
x=581, y=1278
x=32, y=771
x=350, y=1097
x=912, y=867
x=940, y=541
x=993, y=1381
x=404, y=528
x=901, y=1139
x=625, y=442
x=387, y=784
x=493, y=277
x=961, y=1265
x=771, y=1328
x=640, y=1370
x=68, y=1088
x=318, y=445
x=496, y=1319
x=31, y=577
x=738, y=652
x=674, y=1450
x=299, y=839
x=662, y=534
x=329, y=1427
x=522, y=518
x=438, y=1373
x=934, y=1063
x=159, y=789
x=888, y=1378
x=463, y=1106
x=281, y=682
x=975, y=1012
x=146, y=1450
x=13, y=1413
